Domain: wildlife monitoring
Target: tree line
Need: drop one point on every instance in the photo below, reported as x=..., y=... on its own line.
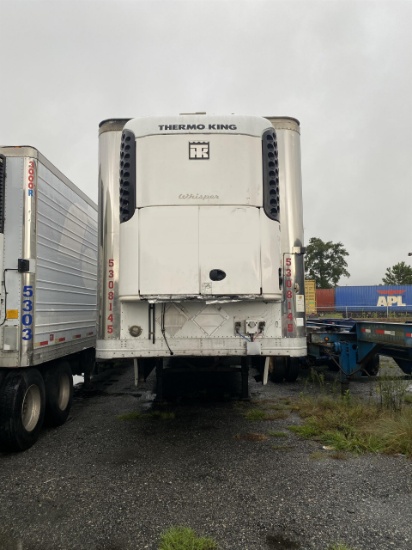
x=325, y=263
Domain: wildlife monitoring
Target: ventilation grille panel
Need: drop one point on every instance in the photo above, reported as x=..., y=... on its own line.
x=271, y=202
x=127, y=176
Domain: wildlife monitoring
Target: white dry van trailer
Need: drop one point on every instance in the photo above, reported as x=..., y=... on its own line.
x=201, y=242
x=48, y=269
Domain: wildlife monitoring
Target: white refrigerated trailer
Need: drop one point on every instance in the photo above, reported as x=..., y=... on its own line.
x=201, y=241
x=48, y=270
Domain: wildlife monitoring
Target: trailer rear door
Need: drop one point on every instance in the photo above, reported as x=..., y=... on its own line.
x=229, y=250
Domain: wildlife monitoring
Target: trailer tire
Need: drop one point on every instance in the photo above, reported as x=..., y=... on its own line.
x=22, y=407
x=292, y=369
x=404, y=365
x=372, y=366
x=59, y=393
x=277, y=369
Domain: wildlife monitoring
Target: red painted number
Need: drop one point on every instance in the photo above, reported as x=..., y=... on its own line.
x=110, y=295
x=289, y=294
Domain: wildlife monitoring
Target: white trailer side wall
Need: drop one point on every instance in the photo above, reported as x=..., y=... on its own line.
x=66, y=271
x=12, y=248
x=48, y=300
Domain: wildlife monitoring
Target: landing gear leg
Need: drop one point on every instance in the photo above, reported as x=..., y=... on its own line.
x=159, y=380
x=244, y=370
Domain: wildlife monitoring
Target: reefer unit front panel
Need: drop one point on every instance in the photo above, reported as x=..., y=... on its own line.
x=203, y=169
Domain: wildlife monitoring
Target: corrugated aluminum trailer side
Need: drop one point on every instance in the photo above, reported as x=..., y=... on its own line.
x=48, y=265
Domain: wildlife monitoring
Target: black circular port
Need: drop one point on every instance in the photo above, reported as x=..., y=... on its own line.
x=217, y=275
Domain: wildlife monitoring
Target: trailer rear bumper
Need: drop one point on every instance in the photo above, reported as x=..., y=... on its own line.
x=196, y=347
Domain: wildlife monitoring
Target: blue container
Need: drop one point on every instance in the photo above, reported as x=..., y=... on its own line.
x=384, y=299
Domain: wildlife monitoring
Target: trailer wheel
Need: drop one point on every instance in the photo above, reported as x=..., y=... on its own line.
x=22, y=406
x=277, y=369
x=292, y=369
x=59, y=393
x=404, y=365
x=372, y=366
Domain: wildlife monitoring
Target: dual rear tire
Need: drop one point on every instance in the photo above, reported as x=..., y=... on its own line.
x=284, y=368
x=27, y=400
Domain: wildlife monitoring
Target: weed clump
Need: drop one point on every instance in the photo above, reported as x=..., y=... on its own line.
x=392, y=392
x=260, y=414
x=351, y=425
x=184, y=538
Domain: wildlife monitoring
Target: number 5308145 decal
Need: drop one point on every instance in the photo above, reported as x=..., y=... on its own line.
x=27, y=313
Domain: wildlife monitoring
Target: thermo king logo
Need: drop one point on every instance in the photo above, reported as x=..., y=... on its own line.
x=199, y=150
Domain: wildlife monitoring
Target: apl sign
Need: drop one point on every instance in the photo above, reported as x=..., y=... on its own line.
x=388, y=298
x=374, y=298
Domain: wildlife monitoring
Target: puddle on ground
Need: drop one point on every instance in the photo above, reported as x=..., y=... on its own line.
x=279, y=542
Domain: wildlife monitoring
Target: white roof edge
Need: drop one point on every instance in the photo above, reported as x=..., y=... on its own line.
x=32, y=152
x=198, y=124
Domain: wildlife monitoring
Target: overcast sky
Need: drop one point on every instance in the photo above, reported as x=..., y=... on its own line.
x=343, y=68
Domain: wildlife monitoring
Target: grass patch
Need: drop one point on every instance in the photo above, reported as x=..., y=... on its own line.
x=278, y=415
x=408, y=399
x=184, y=538
x=318, y=455
x=392, y=392
x=351, y=425
x=280, y=407
x=255, y=415
x=252, y=437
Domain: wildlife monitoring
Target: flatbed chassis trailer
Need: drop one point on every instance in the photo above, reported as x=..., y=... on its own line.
x=357, y=349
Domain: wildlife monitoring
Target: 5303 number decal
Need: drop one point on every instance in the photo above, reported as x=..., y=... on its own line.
x=27, y=313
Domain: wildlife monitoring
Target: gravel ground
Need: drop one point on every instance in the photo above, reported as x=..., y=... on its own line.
x=103, y=483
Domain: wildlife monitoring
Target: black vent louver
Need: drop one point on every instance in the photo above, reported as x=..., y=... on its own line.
x=271, y=204
x=127, y=176
x=2, y=191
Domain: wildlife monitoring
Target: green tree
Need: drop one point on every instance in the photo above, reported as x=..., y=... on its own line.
x=398, y=274
x=325, y=262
